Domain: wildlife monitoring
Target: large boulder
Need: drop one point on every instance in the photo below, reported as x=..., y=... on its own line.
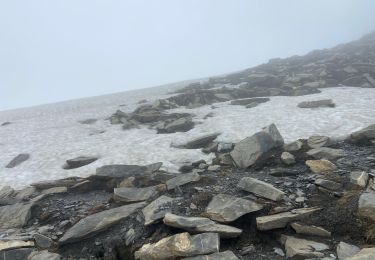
x=317, y=103
x=255, y=148
x=260, y=188
x=180, y=245
x=364, y=136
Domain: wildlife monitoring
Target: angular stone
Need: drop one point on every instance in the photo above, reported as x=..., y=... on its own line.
x=182, y=179
x=44, y=255
x=359, y=178
x=98, y=222
x=346, y=251
x=288, y=158
x=213, y=168
x=260, y=188
x=18, y=160
x=16, y=254
x=130, y=195
x=13, y=244
x=227, y=208
x=321, y=166
x=200, y=225
x=16, y=215
x=43, y=241
x=364, y=254
x=79, y=161
x=67, y=182
x=310, y=230
x=180, y=245
x=366, y=206
x=293, y=147
x=157, y=209
x=282, y=219
x=327, y=184
x=6, y=192
x=200, y=142
x=364, y=136
x=275, y=134
x=226, y=255
x=317, y=141
x=317, y=103
x=326, y=153
x=122, y=171
x=302, y=248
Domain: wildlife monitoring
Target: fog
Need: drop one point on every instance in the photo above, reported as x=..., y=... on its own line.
x=58, y=50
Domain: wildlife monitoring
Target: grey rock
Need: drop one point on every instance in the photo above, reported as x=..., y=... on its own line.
x=327, y=184
x=346, y=251
x=180, y=245
x=293, y=147
x=16, y=215
x=6, y=192
x=280, y=220
x=157, y=209
x=321, y=166
x=44, y=255
x=79, y=161
x=200, y=225
x=18, y=160
x=275, y=134
x=130, y=195
x=98, y=222
x=226, y=255
x=364, y=254
x=260, y=188
x=42, y=241
x=317, y=141
x=183, y=124
x=130, y=237
x=359, y=178
x=317, y=103
x=301, y=248
x=310, y=230
x=326, y=153
x=200, y=142
x=224, y=147
x=16, y=254
x=247, y=101
x=213, y=168
x=14, y=244
x=122, y=171
x=288, y=158
x=227, y=208
x=364, y=136
x=366, y=206
x=182, y=179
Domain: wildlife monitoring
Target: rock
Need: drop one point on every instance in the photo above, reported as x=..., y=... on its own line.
x=186, y=168
x=182, y=179
x=226, y=255
x=88, y=121
x=67, y=182
x=180, y=245
x=16, y=254
x=366, y=206
x=5, y=123
x=293, y=147
x=275, y=134
x=183, y=124
x=310, y=230
x=44, y=255
x=359, y=178
x=280, y=220
x=247, y=101
x=121, y=171
x=364, y=254
x=255, y=148
x=317, y=141
x=297, y=248
x=321, y=166
x=346, y=251
x=327, y=184
x=200, y=142
x=98, y=222
x=25, y=193
x=54, y=190
x=6, y=192
x=18, y=160
x=14, y=244
x=42, y=241
x=364, y=136
x=214, y=168
x=326, y=153
x=200, y=225
x=316, y=103
x=261, y=188
x=157, y=209
x=131, y=195
x=16, y=215
x=226, y=208
x=79, y=162
x=224, y=147
x=288, y=158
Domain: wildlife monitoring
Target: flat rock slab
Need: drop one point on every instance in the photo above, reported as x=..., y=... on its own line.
x=182, y=179
x=180, y=245
x=326, y=153
x=13, y=244
x=125, y=171
x=200, y=225
x=200, y=142
x=366, y=206
x=282, y=219
x=247, y=101
x=261, y=188
x=80, y=161
x=130, y=195
x=226, y=255
x=327, y=184
x=293, y=147
x=364, y=254
x=18, y=160
x=227, y=208
x=345, y=251
x=321, y=166
x=310, y=230
x=317, y=103
x=16, y=215
x=317, y=141
x=95, y=223
x=302, y=248
x=157, y=209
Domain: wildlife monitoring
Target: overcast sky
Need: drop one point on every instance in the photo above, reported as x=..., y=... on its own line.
x=58, y=50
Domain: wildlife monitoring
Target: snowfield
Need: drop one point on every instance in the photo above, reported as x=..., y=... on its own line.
x=52, y=133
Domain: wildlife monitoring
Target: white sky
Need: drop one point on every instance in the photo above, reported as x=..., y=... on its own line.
x=59, y=50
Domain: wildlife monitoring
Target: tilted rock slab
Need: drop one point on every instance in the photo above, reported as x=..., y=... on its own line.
x=345, y=251
x=260, y=188
x=124, y=171
x=226, y=255
x=326, y=153
x=282, y=219
x=158, y=208
x=180, y=245
x=95, y=223
x=182, y=179
x=302, y=248
x=227, y=208
x=200, y=142
x=310, y=230
x=44, y=255
x=130, y=195
x=200, y=225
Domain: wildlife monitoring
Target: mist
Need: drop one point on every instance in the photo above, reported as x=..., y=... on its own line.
x=59, y=50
